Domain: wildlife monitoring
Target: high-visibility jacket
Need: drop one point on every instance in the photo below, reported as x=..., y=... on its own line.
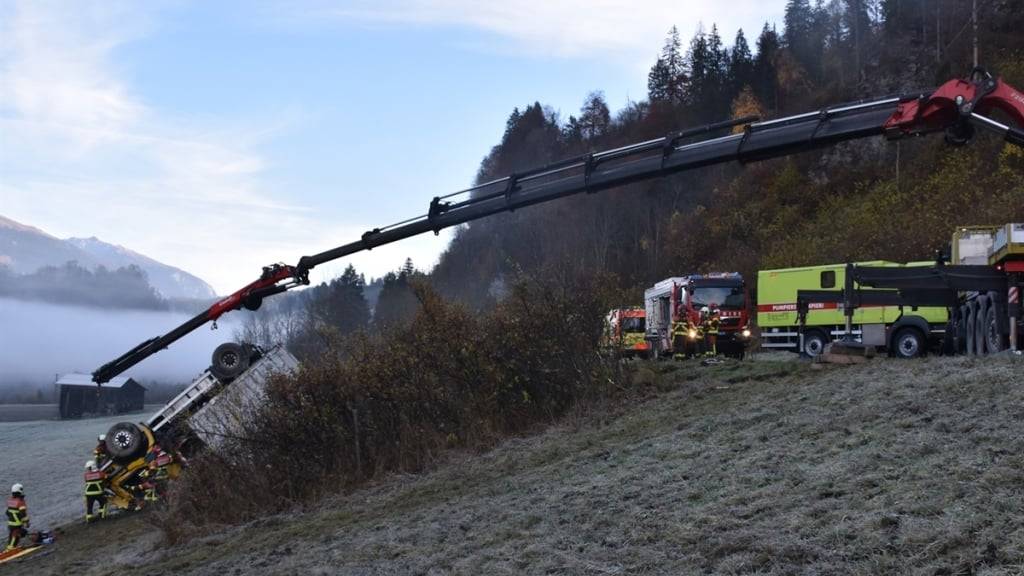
x=17, y=512
x=100, y=452
x=163, y=460
x=94, y=482
x=712, y=324
x=679, y=329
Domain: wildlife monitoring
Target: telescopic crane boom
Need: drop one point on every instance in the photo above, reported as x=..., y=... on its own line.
x=957, y=107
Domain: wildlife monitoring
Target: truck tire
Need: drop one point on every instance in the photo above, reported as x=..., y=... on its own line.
x=230, y=359
x=979, y=325
x=908, y=343
x=994, y=341
x=814, y=343
x=969, y=329
x=126, y=442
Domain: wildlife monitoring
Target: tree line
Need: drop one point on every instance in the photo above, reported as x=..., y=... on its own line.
x=73, y=284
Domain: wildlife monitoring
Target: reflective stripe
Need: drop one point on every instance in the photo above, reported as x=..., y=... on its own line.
x=94, y=488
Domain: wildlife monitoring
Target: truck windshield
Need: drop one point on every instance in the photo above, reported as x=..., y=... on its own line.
x=633, y=324
x=721, y=296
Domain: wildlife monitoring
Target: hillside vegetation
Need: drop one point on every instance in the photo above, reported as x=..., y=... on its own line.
x=758, y=467
x=864, y=199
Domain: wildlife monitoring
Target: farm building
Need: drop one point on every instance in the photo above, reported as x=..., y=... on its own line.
x=78, y=396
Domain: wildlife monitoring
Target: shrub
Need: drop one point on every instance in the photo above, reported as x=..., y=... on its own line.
x=393, y=402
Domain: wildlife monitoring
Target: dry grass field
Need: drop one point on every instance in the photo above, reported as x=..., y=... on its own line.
x=760, y=467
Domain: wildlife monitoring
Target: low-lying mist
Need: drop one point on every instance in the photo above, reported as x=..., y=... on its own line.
x=39, y=340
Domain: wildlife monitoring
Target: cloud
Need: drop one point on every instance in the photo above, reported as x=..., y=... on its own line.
x=623, y=30
x=83, y=155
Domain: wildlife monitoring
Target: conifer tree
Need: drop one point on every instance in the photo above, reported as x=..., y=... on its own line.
x=741, y=63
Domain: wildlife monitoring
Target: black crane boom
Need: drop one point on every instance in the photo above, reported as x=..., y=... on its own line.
x=956, y=107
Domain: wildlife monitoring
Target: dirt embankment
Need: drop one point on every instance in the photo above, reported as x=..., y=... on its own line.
x=764, y=467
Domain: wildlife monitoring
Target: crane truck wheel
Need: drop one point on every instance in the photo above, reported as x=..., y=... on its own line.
x=994, y=341
x=814, y=343
x=126, y=442
x=969, y=328
x=908, y=343
x=230, y=359
x=979, y=325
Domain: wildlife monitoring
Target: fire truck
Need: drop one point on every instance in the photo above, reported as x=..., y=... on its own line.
x=679, y=300
x=624, y=332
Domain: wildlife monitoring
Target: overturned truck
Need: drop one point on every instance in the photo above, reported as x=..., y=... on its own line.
x=216, y=406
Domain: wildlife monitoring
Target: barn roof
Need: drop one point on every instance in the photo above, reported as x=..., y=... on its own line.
x=75, y=379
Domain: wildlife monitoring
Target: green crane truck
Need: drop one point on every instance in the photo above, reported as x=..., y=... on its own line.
x=906, y=332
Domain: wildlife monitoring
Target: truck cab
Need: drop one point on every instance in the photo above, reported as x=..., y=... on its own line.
x=624, y=332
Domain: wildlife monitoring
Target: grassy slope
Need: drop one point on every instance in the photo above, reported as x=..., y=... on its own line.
x=761, y=467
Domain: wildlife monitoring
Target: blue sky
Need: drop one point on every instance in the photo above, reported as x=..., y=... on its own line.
x=223, y=136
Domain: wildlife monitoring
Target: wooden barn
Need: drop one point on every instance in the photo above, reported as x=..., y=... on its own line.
x=79, y=395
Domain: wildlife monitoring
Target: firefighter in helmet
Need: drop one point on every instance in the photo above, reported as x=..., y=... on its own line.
x=17, y=516
x=99, y=453
x=712, y=321
x=95, y=491
x=680, y=332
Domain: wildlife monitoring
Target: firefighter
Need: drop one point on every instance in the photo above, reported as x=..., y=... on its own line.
x=99, y=453
x=95, y=491
x=152, y=473
x=711, y=324
x=680, y=332
x=159, y=471
x=17, y=516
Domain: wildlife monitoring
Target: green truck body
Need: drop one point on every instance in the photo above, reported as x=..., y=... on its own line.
x=777, y=316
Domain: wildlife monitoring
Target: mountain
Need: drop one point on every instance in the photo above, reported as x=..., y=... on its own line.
x=170, y=281
x=25, y=249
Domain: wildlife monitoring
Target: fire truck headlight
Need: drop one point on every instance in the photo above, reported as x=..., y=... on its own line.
x=693, y=334
x=746, y=332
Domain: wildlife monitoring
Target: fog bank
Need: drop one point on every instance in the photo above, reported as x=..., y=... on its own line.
x=39, y=340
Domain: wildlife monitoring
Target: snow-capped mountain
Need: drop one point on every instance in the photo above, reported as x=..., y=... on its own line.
x=25, y=249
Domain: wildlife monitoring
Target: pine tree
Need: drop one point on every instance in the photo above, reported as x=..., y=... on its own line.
x=594, y=116
x=667, y=78
x=698, y=61
x=765, y=77
x=799, y=34
x=741, y=63
x=341, y=304
x=719, y=83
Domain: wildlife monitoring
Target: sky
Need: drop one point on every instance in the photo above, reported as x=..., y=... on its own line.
x=220, y=137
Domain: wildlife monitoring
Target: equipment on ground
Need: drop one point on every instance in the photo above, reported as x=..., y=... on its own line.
x=956, y=107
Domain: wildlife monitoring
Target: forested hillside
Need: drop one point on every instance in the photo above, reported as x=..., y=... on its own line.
x=866, y=199
x=862, y=200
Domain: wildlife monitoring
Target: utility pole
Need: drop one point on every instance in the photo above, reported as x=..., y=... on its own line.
x=974, y=23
